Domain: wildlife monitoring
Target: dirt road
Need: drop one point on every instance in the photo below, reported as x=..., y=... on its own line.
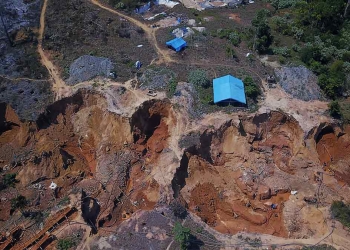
x=163, y=55
x=58, y=83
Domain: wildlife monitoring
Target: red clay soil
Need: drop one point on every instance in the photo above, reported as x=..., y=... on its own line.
x=333, y=149
x=205, y=202
x=331, y=146
x=211, y=207
x=280, y=133
x=62, y=146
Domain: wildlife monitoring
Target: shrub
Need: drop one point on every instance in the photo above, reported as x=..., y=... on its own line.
x=199, y=77
x=331, y=83
x=282, y=4
x=295, y=47
x=19, y=202
x=251, y=89
x=171, y=88
x=334, y=109
x=341, y=212
x=297, y=33
x=65, y=244
x=235, y=38
x=231, y=53
x=283, y=51
x=182, y=235
x=9, y=180
x=223, y=33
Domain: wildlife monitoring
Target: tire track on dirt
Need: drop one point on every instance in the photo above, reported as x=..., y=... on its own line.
x=163, y=56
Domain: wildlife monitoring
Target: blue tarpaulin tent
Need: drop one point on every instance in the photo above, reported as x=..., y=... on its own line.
x=228, y=88
x=177, y=44
x=143, y=8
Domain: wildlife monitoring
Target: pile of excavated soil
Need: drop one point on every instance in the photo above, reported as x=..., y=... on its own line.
x=299, y=82
x=87, y=67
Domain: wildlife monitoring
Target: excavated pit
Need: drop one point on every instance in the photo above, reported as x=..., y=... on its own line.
x=333, y=148
x=224, y=179
x=79, y=145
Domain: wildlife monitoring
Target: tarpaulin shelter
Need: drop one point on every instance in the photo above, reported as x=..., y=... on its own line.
x=228, y=88
x=177, y=44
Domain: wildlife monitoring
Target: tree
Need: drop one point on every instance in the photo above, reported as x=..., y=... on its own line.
x=326, y=15
x=251, y=89
x=19, y=202
x=333, y=81
x=334, y=109
x=199, y=78
x=182, y=235
x=263, y=37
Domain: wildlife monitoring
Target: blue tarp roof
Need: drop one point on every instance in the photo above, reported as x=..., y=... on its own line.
x=228, y=88
x=177, y=43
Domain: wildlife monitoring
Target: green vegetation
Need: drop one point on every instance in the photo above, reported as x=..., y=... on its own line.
x=19, y=202
x=182, y=235
x=232, y=35
x=263, y=37
x=315, y=33
x=64, y=201
x=199, y=78
x=282, y=4
x=251, y=89
x=127, y=5
x=9, y=180
x=334, y=109
x=319, y=247
x=341, y=212
x=231, y=53
x=171, y=88
x=65, y=244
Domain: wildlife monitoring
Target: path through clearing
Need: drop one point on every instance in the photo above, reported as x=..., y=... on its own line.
x=58, y=83
x=163, y=55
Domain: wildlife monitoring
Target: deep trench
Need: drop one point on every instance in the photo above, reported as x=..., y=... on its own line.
x=179, y=180
x=143, y=123
x=324, y=131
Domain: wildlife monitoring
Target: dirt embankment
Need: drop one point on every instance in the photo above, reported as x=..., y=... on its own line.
x=333, y=148
x=225, y=178
x=79, y=145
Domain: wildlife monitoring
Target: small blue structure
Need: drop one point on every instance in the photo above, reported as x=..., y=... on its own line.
x=143, y=8
x=177, y=44
x=228, y=88
x=138, y=64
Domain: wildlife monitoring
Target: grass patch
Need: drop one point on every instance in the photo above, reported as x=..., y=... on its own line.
x=341, y=212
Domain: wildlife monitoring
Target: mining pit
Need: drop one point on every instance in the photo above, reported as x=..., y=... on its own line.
x=235, y=178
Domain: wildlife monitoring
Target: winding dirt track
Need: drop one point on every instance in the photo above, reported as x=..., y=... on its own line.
x=57, y=81
x=163, y=55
